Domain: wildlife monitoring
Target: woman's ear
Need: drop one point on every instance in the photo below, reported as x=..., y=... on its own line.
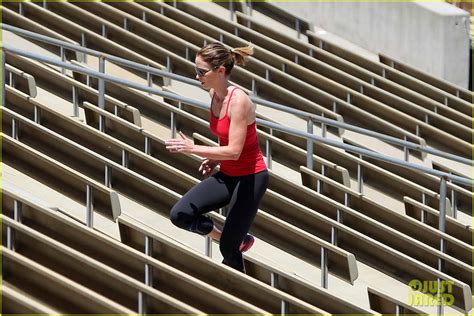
x=221, y=69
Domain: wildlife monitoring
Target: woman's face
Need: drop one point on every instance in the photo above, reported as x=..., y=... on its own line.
x=206, y=74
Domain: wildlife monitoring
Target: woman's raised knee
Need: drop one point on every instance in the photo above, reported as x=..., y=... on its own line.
x=177, y=218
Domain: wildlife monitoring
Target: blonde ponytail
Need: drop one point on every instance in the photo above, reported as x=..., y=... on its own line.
x=240, y=54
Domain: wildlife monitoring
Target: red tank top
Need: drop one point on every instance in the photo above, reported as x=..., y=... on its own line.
x=251, y=159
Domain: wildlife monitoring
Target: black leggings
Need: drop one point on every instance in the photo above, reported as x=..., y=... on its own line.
x=242, y=195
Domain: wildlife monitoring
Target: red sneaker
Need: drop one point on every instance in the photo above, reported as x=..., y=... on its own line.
x=247, y=243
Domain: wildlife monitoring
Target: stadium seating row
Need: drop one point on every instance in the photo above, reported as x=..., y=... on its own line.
x=181, y=65
x=283, y=208
x=323, y=221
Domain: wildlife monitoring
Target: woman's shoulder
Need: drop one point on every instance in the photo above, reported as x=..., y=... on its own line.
x=240, y=94
x=240, y=102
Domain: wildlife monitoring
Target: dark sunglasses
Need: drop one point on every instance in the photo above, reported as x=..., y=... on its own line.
x=200, y=72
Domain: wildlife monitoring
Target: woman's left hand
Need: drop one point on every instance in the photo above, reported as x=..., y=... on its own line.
x=180, y=145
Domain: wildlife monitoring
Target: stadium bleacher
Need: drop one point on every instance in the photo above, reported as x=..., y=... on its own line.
x=348, y=235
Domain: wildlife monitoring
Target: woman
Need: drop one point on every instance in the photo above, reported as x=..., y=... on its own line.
x=243, y=176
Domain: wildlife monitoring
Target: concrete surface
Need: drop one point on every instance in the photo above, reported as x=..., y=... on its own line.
x=431, y=36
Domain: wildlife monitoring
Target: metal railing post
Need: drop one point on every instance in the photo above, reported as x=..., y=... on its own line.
x=399, y=310
x=318, y=185
x=148, y=267
x=10, y=238
x=324, y=267
x=334, y=234
x=360, y=177
x=173, y=124
x=14, y=128
x=101, y=101
x=147, y=145
x=334, y=230
x=141, y=303
x=309, y=145
x=442, y=219
x=37, y=114
x=347, y=201
x=149, y=80
x=75, y=101
x=89, y=206
x=267, y=74
x=125, y=24
x=168, y=63
x=406, y=151
x=63, y=58
x=108, y=176
x=17, y=211
x=124, y=158
x=454, y=201
x=298, y=28
x=187, y=53
x=83, y=41
x=285, y=308
x=321, y=183
x=440, y=307
x=442, y=228
x=142, y=298
x=323, y=128
x=274, y=278
x=208, y=246
x=268, y=151
x=167, y=80
x=104, y=31
x=231, y=9
x=10, y=230
x=11, y=80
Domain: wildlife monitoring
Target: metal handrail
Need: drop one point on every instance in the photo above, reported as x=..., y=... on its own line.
x=203, y=105
x=115, y=59
x=302, y=114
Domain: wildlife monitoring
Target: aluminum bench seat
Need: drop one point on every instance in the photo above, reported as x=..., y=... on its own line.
x=132, y=263
x=111, y=284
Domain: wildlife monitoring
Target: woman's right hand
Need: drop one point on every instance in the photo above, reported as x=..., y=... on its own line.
x=207, y=166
